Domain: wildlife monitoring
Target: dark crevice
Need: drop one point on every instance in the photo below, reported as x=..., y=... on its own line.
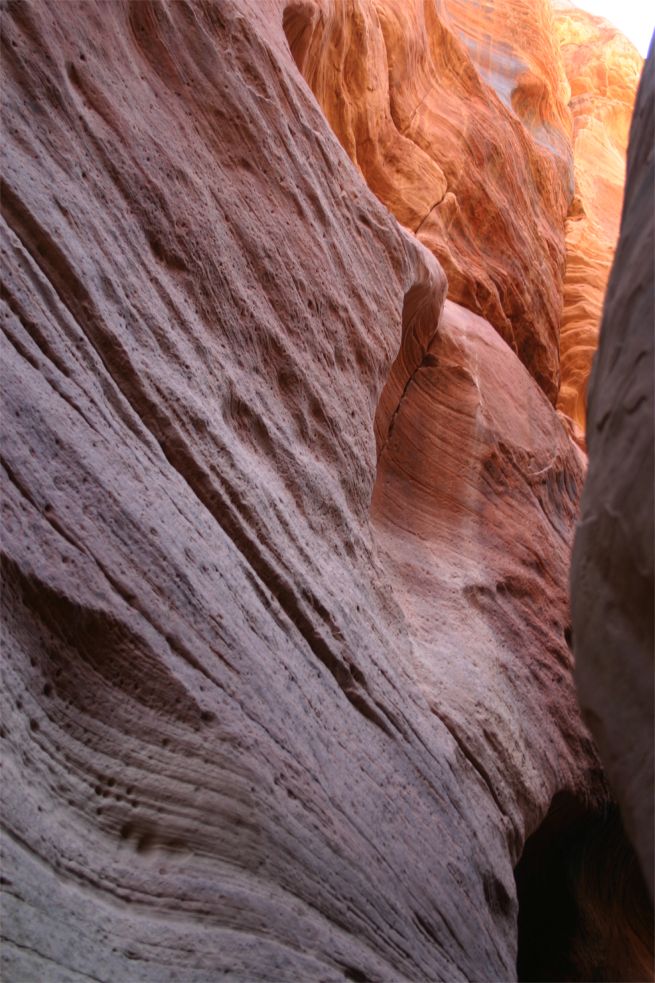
x=354, y=974
x=429, y=212
x=428, y=361
x=584, y=910
x=422, y=306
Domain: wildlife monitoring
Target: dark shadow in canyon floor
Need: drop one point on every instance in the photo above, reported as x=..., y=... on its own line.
x=584, y=911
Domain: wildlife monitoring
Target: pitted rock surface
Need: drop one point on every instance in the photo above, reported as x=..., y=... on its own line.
x=286, y=681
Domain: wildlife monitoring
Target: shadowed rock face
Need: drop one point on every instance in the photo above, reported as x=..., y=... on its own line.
x=286, y=675
x=584, y=912
x=612, y=574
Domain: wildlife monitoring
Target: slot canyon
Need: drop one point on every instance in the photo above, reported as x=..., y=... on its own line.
x=327, y=539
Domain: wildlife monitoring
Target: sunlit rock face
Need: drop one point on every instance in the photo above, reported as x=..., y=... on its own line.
x=430, y=106
x=287, y=677
x=603, y=70
x=516, y=51
x=612, y=573
x=465, y=119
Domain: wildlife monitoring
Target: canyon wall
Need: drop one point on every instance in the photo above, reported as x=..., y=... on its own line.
x=613, y=586
x=448, y=155
x=603, y=70
x=288, y=507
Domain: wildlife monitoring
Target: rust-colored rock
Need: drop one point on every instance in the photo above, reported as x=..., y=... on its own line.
x=612, y=576
x=515, y=48
x=452, y=160
x=603, y=69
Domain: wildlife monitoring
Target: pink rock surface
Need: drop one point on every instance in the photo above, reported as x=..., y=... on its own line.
x=239, y=738
x=474, y=507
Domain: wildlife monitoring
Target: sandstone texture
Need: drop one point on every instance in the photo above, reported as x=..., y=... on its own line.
x=603, y=70
x=448, y=154
x=287, y=504
x=483, y=128
x=612, y=573
x=475, y=453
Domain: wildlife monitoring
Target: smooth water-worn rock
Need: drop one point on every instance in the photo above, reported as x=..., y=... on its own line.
x=603, y=70
x=409, y=90
x=612, y=574
x=286, y=674
x=479, y=571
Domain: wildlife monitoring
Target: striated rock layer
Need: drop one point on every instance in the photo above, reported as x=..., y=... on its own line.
x=473, y=506
x=450, y=156
x=603, y=70
x=466, y=123
x=286, y=681
x=612, y=574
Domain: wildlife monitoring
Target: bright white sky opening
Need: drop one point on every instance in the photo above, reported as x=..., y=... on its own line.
x=634, y=18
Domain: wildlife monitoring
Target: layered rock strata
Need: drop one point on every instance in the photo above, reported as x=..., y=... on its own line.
x=603, y=70
x=448, y=155
x=253, y=724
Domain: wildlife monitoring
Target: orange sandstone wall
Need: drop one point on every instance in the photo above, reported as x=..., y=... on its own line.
x=448, y=154
x=603, y=70
x=497, y=133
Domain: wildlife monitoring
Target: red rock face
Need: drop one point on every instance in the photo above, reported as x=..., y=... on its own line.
x=287, y=682
x=612, y=575
x=451, y=158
